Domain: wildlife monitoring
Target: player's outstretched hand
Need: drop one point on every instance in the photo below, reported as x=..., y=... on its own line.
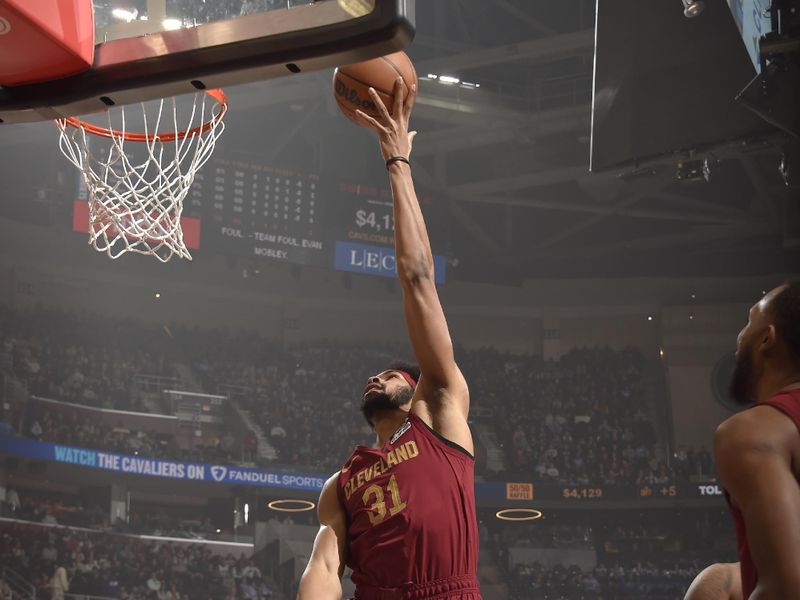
x=395, y=139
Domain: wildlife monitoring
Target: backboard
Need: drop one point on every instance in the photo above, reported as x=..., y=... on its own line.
x=151, y=49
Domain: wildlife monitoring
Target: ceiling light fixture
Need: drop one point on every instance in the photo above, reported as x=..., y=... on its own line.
x=290, y=505
x=692, y=8
x=125, y=15
x=449, y=79
x=518, y=514
x=693, y=170
x=172, y=24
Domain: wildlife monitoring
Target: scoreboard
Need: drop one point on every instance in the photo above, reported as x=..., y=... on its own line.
x=710, y=493
x=256, y=210
x=753, y=17
x=250, y=210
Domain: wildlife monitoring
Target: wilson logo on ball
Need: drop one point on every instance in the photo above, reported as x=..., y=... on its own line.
x=351, y=96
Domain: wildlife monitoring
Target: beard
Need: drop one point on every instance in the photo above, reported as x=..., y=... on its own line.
x=374, y=403
x=743, y=380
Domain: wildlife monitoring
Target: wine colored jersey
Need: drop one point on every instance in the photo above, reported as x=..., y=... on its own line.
x=410, y=508
x=789, y=404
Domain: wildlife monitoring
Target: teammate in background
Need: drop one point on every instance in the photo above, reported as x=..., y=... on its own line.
x=757, y=451
x=720, y=581
x=402, y=514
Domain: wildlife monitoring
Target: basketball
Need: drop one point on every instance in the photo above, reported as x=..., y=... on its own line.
x=351, y=83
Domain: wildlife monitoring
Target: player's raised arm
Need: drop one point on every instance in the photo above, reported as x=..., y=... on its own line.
x=322, y=579
x=442, y=387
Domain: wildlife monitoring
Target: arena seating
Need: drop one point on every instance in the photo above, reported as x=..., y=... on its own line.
x=124, y=567
x=564, y=421
x=651, y=555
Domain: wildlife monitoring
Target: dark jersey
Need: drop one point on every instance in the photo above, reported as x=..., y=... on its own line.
x=410, y=508
x=789, y=404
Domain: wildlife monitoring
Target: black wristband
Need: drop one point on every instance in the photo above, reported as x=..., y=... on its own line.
x=396, y=159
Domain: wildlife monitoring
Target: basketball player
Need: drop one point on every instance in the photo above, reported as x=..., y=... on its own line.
x=757, y=451
x=402, y=514
x=720, y=581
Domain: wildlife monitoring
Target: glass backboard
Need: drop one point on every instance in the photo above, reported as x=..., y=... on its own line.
x=117, y=19
x=151, y=49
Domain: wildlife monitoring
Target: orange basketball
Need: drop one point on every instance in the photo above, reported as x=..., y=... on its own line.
x=351, y=83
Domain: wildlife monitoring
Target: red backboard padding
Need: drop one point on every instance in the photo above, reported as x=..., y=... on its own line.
x=43, y=40
x=190, y=225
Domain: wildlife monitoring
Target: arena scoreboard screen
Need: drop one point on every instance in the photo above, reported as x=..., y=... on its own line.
x=249, y=210
x=255, y=210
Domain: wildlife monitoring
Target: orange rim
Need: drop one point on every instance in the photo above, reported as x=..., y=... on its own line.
x=107, y=132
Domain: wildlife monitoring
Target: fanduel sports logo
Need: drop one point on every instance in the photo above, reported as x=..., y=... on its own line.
x=377, y=260
x=218, y=473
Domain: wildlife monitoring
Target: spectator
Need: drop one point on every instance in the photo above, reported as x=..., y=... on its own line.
x=59, y=584
x=49, y=553
x=111, y=565
x=12, y=499
x=154, y=585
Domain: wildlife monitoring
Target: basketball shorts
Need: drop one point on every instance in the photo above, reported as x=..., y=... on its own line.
x=462, y=587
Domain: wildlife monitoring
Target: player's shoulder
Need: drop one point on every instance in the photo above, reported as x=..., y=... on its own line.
x=760, y=426
x=330, y=484
x=752, y=440
x=451, y=434
x=329, y=506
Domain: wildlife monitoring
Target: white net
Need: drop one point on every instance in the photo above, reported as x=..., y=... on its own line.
x=136, y=193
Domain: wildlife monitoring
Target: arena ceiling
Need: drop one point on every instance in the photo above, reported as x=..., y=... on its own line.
x=508, y=161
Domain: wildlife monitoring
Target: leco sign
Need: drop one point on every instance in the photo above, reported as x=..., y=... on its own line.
x=377, y=260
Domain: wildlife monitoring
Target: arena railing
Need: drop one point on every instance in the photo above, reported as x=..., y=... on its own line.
x=216, y=546
x=154, y=384
x=20, y=587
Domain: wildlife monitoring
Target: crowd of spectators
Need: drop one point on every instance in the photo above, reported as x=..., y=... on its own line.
x=582, y=419
x=52, y=509
x=642, y=580
x=159, y=523
x=307, y=401
x=86, y=359
x=76, y=429
x=690, y=464
x=650, y=554
x=74, y=426
x=126, y=567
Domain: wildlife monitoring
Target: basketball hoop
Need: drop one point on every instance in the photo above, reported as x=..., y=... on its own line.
x=136, y=205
